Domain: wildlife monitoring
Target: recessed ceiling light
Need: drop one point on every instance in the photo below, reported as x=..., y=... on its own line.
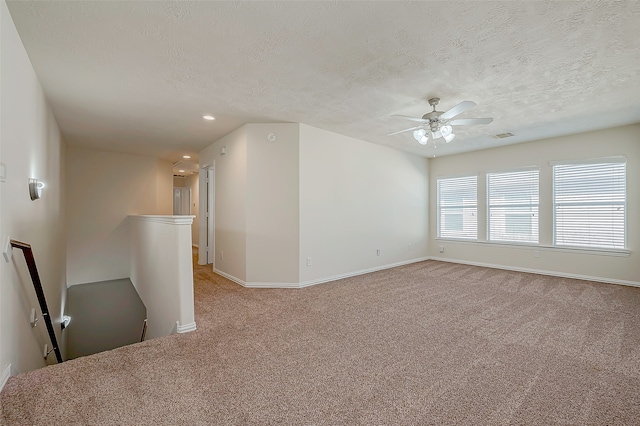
x=186, y=156
x=208, y=117
x=181, y=171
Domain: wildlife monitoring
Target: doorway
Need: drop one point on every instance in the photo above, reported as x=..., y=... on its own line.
x=206, y=249
x=181, y=201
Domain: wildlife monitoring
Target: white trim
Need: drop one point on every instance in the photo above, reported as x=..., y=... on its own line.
x=541, y=272
x=601, y=178
x=257, y=284
x=477, y=174
x=361, y=272
x=422, y=259
x=504, y=177
x=169, y=220
x=587, y=250
x=211, y=218
x=615, y=159
x=8, y=372
x=185, y=328
x=230, y=277
x=517, y=169
x=562, y=249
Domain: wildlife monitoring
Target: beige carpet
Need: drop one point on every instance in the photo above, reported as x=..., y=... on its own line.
x=428, y=343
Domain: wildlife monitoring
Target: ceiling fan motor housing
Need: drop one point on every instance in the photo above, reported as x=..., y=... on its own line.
x=434, y=119
x=433, y=116
x=441, y=126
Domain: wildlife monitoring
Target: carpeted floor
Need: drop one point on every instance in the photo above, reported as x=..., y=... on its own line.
x=427, y=343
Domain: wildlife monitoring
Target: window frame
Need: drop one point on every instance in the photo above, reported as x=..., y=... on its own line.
x=489, y=205
x=461, y=206
x=595, y=161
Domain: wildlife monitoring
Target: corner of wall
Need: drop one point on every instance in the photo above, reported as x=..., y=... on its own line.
x=548, y=259
x=164, y=187
x=32, y=147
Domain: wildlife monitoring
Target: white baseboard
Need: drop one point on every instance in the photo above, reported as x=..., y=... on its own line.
x=257, y=284
x=230, y=277
x=441, y=259
x=540, y=272
x=360, y=272
x=185, y=328
x=8, y=372
x=303, y=284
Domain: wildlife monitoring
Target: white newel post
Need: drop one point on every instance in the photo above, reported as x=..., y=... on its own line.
x=162, y=272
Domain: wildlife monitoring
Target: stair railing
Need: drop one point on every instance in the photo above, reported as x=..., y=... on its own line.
x=37, y=285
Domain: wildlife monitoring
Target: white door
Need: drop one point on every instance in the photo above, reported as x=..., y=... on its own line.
x=181, y=201
x=206, y=254
x=210, y=216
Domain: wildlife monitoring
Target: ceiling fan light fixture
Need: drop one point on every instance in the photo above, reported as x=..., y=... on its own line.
x=419, y=135
x=437, y=124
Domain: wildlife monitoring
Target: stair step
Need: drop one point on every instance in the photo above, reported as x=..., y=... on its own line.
x=104, y=315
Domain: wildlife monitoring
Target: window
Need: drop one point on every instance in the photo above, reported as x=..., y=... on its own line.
x=458, y=208
x=512, y=202
x=589, y=204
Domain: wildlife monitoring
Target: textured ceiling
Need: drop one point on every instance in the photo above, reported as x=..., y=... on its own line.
x=137, y=76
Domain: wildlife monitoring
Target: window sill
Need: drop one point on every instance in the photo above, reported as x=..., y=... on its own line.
x=557, y=249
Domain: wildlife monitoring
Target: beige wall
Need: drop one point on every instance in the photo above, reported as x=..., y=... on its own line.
x=312, y=193
x=603, y=143
x=162, y=272
x=272, y=203
x=230, y=201
x=104, y=188
x=31, y=147
x=179, y=182
x=164, y=186
x=355, y=198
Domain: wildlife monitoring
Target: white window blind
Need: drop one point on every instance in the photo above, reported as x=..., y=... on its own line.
x=589, y=204
x=458, y=208
x=512, y=202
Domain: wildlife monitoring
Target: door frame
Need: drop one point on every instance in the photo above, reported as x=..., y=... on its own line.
x=206, y=237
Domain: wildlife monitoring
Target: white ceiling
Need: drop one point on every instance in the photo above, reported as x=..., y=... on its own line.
x=137, y=76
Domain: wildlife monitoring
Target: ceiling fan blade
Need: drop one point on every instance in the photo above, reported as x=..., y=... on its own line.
x=405, y=130
x=458, y=109
x=406, y=117
x=470, y=121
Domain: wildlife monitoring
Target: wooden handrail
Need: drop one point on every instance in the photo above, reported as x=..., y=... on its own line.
x=37, y=285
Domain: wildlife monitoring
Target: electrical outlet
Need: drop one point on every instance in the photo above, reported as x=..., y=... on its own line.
x=378, y=252
x=441, y=249
x=308, y=261
x=221, y=255
x=536, y=253
x=409, y=247
x=46, y=351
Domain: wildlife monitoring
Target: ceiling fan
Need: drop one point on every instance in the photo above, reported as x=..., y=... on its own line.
x=437, y=124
